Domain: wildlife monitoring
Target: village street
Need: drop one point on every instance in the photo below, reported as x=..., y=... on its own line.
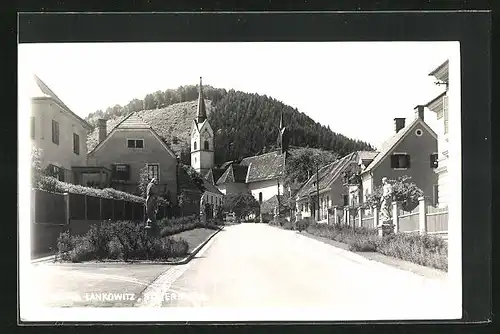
x=250, y=265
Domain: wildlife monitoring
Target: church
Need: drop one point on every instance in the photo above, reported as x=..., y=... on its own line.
x=262, y=175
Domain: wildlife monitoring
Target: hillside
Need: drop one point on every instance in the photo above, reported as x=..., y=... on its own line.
x=172, y=123
x=244, y=123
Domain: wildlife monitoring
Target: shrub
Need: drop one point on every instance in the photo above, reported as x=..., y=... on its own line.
x=425, y=250
x=287, y=225
x=178, y=247
x=65, y=243
x=99, y=237
x=83, y=250
x=115, y=249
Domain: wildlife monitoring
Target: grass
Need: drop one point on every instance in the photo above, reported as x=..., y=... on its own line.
x=426, y=250
x=194, y=237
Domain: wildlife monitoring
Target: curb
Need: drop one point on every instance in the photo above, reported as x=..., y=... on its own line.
x=185, y=260
x=49, y=258
x=195, y=251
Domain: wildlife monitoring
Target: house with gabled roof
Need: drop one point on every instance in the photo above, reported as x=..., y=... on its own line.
x=131, y=145
x=57, y=131
x=410, y=151
x=439, y=105
x=329, y=183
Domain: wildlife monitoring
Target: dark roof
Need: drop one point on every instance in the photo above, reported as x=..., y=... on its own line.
x=269, y=205
x=235, y=173
x=44, y=91
x=185, y=182
x=392, y=142
x=266, y=166
x=328, y=174
x=202, y=111
x=210, y=187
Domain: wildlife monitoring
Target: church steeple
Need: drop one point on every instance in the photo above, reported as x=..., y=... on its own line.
x=282, y=136
x=202, y=112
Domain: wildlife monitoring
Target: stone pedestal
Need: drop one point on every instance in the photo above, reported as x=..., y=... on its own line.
x=385, y=229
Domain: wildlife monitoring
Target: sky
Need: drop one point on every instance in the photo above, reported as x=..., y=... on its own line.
x=355, y=88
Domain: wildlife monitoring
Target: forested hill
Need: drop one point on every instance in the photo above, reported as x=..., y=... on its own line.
x=244, y=124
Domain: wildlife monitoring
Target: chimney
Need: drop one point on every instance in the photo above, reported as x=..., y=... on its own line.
x=101, y=125
x=399, y=123
x=419, y=112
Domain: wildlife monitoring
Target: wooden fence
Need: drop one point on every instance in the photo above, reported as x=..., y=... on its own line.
x=53, y=213
x=424, y=218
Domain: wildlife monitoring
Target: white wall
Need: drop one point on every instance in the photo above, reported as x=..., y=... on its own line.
x=61, y=155
x=269, y=188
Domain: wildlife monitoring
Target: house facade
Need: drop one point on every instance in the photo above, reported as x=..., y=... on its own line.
x=411, y=151
x=128, y=148
x=57, y=131
x=439, y=105
x=329, y=183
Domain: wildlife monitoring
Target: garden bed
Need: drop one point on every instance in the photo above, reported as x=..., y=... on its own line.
x=425, y=250
x=195, y=237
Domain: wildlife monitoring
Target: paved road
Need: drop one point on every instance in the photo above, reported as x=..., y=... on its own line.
x=256, y=265
x=90, y=284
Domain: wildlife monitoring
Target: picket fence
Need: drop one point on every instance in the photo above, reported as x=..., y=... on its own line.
x=424, y=218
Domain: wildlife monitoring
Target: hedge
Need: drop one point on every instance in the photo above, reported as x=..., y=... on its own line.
x=49, y=183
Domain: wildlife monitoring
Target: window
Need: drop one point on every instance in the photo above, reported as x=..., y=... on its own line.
x=32, y=127
x=135, y=143
x=55, y=132
x=445, y=113
x=328, y=200
x=76, y=143
x=434, y=160
x=120, y=172
x=56, y=172
x=435, y=194
x=211, y=199
x=345, y=199
x=400, y=160
x=206, y=146
x=195, y=146
x=260, y=197
x=154, y=172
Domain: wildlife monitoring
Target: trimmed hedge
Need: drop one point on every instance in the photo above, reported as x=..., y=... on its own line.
x=49, y=183
x=177, y=225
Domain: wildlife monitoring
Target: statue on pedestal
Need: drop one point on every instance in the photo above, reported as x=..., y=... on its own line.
x=385, y=206
x=151, y=202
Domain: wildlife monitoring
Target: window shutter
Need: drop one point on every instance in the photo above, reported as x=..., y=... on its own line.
x=394, y=161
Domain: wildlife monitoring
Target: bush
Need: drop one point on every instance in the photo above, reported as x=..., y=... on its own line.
x=83, y=250
x=119, y=240
x=287, y=225
x=427, y=250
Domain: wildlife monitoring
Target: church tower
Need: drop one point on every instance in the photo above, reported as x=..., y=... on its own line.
x=283, y=136
x=202, y=138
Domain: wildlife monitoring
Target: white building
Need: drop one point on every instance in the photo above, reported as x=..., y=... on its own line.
x=439, y=105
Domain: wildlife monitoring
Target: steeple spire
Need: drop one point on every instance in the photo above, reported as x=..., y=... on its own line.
x=202, y=113
x=282, y=136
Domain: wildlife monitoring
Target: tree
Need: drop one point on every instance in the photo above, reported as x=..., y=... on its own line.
x=194, y=176
x=36, y=166
x=242, y=204
x=143, y=180
x=302, y=164
x=404, y=191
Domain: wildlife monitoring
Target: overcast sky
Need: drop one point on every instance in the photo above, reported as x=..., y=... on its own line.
x=355, y=88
